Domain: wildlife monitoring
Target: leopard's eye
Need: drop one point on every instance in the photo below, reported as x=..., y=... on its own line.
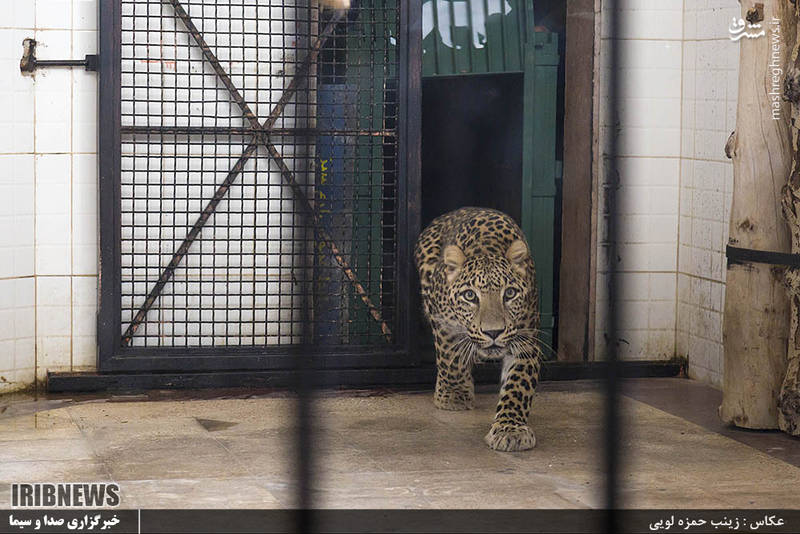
x=469, y=295
x=510, y=293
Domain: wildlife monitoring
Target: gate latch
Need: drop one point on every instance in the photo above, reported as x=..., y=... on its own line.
x=29, y=63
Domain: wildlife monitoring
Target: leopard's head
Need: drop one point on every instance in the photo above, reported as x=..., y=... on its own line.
x=490, y=299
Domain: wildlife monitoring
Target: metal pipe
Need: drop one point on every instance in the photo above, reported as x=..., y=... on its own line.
x=224, y=130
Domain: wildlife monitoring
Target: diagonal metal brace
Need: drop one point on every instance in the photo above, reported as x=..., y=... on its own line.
x=261, y=137
x=286, y=173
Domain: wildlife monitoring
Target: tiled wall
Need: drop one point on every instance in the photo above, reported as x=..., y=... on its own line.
x=648, y=162
x=710, y=80
x=679, y=75
x=48, y=180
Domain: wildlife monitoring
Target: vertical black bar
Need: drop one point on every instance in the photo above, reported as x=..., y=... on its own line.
x=612, y=417
x=109, y=147
x=410, y=162
x=304, y=437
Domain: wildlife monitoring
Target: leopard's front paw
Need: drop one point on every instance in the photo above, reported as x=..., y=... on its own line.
x=509, y=437
x=454, y=400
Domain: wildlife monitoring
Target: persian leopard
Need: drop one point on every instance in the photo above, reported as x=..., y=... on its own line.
x=479, y=294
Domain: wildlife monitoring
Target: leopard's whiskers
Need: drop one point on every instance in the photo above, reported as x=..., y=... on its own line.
x=535, y=343
x=462, y=351
x=528, y=338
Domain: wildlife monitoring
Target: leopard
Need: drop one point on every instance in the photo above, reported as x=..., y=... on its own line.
x=479, y=294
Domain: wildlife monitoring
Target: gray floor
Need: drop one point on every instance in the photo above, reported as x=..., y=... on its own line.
x=395, y=450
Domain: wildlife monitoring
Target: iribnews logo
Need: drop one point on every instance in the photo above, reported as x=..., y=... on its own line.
x=65, y=495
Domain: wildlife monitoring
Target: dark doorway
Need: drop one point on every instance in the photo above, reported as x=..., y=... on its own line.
x=472, y=143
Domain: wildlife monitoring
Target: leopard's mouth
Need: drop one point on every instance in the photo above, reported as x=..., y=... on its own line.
x=493, y=352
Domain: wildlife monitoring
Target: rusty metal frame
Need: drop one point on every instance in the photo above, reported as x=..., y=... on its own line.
x=261, y=133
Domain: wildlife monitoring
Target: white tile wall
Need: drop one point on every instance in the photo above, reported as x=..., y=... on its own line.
x=17, y=329
x=648, y=180
x=48, y=243
x=679, y=78
x=710, y=70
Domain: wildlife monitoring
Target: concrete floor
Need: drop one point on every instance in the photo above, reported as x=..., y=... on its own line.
x=391, y=450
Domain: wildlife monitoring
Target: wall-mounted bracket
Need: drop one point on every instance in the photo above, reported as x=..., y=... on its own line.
x=29, y=63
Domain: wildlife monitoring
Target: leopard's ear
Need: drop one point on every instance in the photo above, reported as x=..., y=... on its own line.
x=517, y=253
x=453, y=259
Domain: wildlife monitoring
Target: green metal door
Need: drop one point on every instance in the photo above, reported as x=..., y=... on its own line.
x=465, y=37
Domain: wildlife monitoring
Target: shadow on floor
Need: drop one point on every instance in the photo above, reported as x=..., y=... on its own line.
x=391, y=449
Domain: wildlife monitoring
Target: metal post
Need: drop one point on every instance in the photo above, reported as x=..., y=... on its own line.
x=612, y=419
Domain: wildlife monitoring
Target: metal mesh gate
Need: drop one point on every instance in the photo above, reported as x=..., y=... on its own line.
x=254, y=178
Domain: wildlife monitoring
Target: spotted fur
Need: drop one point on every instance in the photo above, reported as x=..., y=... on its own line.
x=479, y=294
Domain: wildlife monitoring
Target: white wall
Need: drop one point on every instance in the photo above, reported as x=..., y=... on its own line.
x=710, y=83
x=648, y=161
x=48, y=180
x=678, y=78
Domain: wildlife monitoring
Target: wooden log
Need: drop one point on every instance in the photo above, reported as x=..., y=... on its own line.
x=756, y=316
x=789, y=397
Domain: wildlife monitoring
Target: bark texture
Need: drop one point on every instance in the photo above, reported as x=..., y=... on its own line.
x=789, y=397
x=756, y=316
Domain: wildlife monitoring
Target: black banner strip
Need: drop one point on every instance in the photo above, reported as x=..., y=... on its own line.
x=738, y=255
x=585, y=521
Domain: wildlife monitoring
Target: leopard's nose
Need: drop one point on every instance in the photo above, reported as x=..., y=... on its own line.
x=493, y=334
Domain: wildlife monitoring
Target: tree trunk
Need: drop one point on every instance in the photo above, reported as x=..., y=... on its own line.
x=756, y=319
x=789, y=398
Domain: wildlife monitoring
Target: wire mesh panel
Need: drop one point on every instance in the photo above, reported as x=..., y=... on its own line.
x=257, y=155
